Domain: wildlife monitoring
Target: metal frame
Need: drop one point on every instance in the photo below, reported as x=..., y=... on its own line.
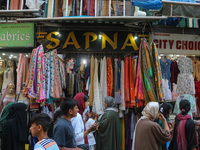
x=98, y=18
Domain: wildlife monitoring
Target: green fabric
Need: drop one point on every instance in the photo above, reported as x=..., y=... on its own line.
x=120, y=131
x=108, y=134
x=164, y=146
x=5, y=114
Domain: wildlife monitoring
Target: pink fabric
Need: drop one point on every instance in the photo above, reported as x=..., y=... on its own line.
x=91, y=7
x=181, y=138
x=81, y=104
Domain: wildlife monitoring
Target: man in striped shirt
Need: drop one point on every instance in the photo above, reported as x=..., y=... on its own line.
x=40, y=125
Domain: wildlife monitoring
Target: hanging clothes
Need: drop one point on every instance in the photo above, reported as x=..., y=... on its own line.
x=109, y=78
x=103, y=79
x=122, y=105
x=15, y=4
x=132, y=89
x=165, y=69
x=174, y=72
x=21, y=72
x=158, y=75
x=91, y=94
x=126, y=83
x=185, y=83
x=30, y=75
x=167, y=91
x=138, y=86
x=97, y=102
x=147, y=73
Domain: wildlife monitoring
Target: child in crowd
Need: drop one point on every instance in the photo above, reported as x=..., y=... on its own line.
x=40, y=125
x=92, y=117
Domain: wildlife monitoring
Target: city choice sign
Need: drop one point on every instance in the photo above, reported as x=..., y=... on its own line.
x=168, y=43
x=91, y=41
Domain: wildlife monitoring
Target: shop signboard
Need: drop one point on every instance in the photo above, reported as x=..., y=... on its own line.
x=17, y=35
x=180, y=44
x=90, y=40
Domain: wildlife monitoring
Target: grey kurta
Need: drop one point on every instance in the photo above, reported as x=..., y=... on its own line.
x=149, y=135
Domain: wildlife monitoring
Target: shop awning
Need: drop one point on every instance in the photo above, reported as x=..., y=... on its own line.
x=98, y=19
x=180, y=9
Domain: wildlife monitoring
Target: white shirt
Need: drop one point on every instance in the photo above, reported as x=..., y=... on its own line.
x=90, y=136
x=77, y=124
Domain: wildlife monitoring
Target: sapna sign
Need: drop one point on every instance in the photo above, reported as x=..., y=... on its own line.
x=91, y=41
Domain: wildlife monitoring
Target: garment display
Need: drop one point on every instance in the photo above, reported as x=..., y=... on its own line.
x=174, y=94
x=158, y=80
x=192, y=101
x=97, y=102
x=174, y=72
x=185, y=65
x=21, y=72
x=147, y=70
x=91, y=94
x=126, y=83
x=185, y=84
x=109, y=77
x=34, y=4
x=8, y=78
x=166, y=89
x=165, y=69
x=196, y=66
x=15, y=4
x=43, y=79
x=2, y=69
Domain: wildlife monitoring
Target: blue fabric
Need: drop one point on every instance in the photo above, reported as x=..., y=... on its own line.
x=63, y=133
x=154, y=4
x=165, y=70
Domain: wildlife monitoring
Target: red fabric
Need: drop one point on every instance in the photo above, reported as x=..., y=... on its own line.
x=126, y=84
x=81, y=104
x=181, y=138
x=109, y=77
x=132, y=89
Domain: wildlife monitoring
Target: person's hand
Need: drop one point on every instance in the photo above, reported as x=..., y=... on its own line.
x=161, y=117
x=97, y=126
x=78, y=148
x=93, y=127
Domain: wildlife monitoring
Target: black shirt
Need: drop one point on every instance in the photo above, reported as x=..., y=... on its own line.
x=190, y=135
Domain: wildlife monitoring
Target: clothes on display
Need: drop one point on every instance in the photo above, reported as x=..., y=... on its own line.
x=165, y=69
x=185, y=83
x=44, y=80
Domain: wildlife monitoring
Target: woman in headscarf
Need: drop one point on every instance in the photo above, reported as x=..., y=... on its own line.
x=77, y=122
x=148, y=134
x=15, y=129
x=184, y=137
x=166, y=110
x=108, y=133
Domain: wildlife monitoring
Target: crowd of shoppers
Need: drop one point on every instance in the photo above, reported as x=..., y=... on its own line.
x=76, y=128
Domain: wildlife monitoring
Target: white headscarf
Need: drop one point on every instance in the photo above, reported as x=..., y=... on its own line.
x=151, y=109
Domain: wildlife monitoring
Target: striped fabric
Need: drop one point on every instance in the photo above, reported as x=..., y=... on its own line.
x=46, y=144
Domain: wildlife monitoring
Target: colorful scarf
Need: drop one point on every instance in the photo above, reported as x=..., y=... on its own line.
x=147, y=73
x=158, y=75
x=181, y=138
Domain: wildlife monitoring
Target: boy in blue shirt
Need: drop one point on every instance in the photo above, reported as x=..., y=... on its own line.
x=40, y=124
